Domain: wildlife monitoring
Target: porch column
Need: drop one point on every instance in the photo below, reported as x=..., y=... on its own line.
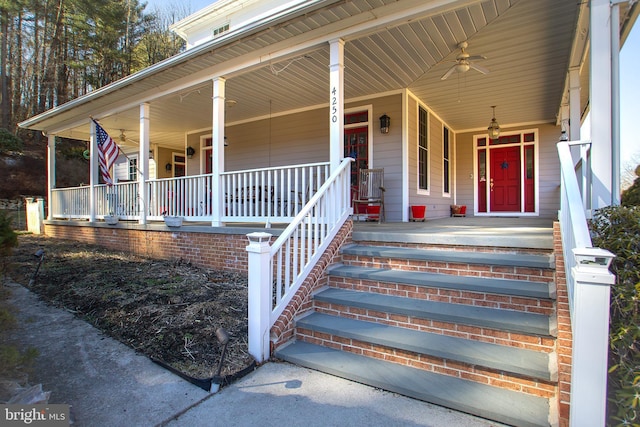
x=600, y=103
x=51, y=173
x=574, y=104
x=143, y=164
x=93, y=171
x=217, y=135
x=336, y=103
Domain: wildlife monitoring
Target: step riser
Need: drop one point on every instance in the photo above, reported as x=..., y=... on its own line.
x=475, y=333
x=457, y=248
x=430, y=364
x=451, y=268
x=531, y=305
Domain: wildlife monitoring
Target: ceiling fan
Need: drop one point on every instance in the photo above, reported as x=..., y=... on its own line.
x=464, y=62
x=124, y=139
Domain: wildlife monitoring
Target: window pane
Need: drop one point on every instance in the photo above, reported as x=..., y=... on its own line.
x=423, y=147
x=445, y=163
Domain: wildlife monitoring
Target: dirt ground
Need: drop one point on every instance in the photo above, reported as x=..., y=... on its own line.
x=169, y=311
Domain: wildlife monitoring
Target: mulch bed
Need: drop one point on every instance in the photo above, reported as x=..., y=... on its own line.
x=167, y=310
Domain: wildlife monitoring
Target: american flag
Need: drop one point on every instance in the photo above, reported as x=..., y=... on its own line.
x=107, y=152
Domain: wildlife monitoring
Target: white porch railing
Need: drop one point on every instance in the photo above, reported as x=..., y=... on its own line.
x=588, y=285
x=270, y=195
x=256, y=196
x=70, y=203
x=276, y=272
x=188, y=197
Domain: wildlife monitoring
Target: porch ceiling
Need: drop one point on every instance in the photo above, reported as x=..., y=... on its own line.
x=527, y=44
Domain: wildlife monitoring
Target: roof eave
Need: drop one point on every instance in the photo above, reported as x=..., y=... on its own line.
x=36, y=122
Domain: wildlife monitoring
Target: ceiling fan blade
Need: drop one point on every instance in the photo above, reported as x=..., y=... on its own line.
x=448, y=73
x=479, y=68
x=476, y=58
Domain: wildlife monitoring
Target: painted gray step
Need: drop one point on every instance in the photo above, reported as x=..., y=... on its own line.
x=489, y=402
x=466, y=283
x=464, y=257
x=503, y=320
x=529, y=363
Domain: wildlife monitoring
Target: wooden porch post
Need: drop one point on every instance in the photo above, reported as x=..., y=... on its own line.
x=600, y=102
x=217, y=143
x=336, y=103
x=574, y=104
x=143, y=166
x=51, y=173
x=93, y=171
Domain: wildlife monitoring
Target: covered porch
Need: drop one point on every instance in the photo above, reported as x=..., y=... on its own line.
x=245, y=127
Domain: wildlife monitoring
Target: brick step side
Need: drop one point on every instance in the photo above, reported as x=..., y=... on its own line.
x=500, y=404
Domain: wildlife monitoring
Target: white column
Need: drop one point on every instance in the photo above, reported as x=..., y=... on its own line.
x=574, y=104
x=259, y=295
x=217, y=143
x=590, y=328
x=51, y=173
x=600, y=102
x=93, y=172
x=143, y=164
x=336, y=103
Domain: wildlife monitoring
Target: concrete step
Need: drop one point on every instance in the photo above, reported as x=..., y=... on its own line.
x=486, y=401
x=484, y=317
x=505, y=359
x=525, y=260
x=520, y=288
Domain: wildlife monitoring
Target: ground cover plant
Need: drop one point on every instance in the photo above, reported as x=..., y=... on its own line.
x=167, y=310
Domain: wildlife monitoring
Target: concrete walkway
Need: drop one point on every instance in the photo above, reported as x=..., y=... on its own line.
x=108, y=384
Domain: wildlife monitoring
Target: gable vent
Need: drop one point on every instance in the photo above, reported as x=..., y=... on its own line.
x=220, y=30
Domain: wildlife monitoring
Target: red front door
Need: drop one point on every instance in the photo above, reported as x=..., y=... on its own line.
x=504, y=182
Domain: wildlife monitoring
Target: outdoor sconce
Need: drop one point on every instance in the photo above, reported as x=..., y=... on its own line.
x=385, y=122
x=494, y=128
x=226, y=143
x=167, y=167
x=190, y=152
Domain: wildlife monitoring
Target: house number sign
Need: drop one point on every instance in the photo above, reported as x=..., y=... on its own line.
x=334, y=105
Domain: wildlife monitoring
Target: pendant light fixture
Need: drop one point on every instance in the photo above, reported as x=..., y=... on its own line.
x=494, y=128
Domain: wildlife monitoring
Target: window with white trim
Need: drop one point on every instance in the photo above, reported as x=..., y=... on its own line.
x=446, y=164
x=132, y=174
x=423, y=149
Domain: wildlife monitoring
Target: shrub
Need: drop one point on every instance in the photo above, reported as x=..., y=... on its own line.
x=9, y=142
x=631, y=196
x=8, y=240
x=618, y=230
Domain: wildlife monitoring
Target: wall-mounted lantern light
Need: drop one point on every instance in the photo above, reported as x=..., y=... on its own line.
x=190, y=152
x=167, y=167
x=385, y=122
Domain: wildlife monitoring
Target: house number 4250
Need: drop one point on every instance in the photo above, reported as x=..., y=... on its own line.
x=334, y=105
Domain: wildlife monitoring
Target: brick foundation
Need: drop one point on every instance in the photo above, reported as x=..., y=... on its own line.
x=225, y=252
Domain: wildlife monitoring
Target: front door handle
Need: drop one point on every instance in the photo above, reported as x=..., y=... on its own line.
x=491, y=184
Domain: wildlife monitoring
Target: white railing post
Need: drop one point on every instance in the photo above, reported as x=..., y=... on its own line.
x=259, y=262
x=590, y=320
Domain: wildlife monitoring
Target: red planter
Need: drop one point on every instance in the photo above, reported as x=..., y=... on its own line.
x=418, y=212
x=373, y=213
